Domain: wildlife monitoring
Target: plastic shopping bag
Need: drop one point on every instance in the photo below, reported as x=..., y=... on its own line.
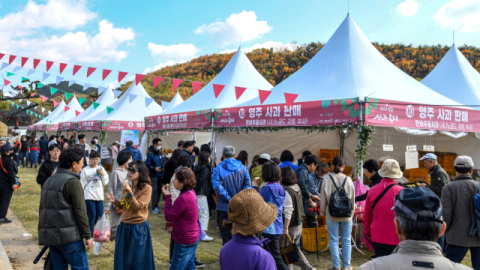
x=360, y=189
x=102, y=230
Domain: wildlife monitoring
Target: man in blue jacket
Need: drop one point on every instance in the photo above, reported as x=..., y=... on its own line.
x=154, y=162
x=229, y=178
x=43, y=149
x=136, y=154
x=188, y=149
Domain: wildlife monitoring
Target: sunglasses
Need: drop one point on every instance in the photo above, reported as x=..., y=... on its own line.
x=132, y=170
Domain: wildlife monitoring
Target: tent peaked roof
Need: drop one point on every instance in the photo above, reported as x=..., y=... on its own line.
x=238, y=72
x=106, y=99
x=68, y=115
x=456, y=78
x=177, y=99
x=131, y=106
x=350, y=66
x=60, y=109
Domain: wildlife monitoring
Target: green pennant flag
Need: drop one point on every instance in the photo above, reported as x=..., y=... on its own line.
x=95, y=105
x=53, y=90
x=17, y=105
x=82, y=100
x=27, y=111
x=68, y=95
x=39, y=85
x=10, y=74
x=25, y=79
x=109, y=110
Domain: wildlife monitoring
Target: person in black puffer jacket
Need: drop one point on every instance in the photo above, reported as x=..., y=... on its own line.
x=8, y=172
x=203, y=175
x=169, y=166
x=24, y=151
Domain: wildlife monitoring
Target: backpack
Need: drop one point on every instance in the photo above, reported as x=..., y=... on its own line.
x=340, y=204
x=475, y=214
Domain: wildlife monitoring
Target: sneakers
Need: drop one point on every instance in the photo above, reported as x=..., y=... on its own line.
x=347, y=268
x=207, y=239
x=199, y=264
x=156, y=211
x=5, y=220
x=96, y=248
x=333, y=268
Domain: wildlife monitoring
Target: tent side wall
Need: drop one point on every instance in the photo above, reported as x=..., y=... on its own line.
x=171, y=140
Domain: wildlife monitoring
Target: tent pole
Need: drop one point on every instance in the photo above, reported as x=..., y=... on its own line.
x=212, y=139
x=360, y=126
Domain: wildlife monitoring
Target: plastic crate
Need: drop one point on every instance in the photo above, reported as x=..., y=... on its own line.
x=309, y=240
x=329, y=154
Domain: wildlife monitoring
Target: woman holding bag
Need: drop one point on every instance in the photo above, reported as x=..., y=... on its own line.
x=133, y=245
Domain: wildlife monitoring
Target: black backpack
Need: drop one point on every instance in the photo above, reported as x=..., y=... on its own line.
x=340, y=204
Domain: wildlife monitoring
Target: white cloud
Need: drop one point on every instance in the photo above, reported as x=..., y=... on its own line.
x=408, y=8
x=168, y=55
x=460, y=14
x=276, y=46
x=238, y=27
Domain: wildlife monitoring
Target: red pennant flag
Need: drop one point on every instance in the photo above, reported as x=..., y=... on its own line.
x=44, y=98
x=175, y=84
x=24, y=60
x=217, y=89
x=6, y=82
x=1, y=55
x=76, y=68
x=62, y=67
x=290, y=98
x=12, y=57
x=49, y=65
x=156, y=81
x=263, y=94
x=67, y=108
x=55, y=104
x=105, y=74
x=138, y=78
x=19, y=86
x=239, y=91
x=196, y=86
x=35, y=63
x=121, y=75
x=90, y=70
x=77, y=113
x=33, y=94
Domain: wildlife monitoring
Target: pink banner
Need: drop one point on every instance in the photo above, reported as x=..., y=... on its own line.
x=39, y=127
x=123, y=125
x=198, y=119
x=380, y=112
x=89, y=125
x=31, y=128
x=52, y=127
x=66, y=126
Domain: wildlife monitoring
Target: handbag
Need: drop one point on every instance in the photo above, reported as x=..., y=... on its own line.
x=290, y=253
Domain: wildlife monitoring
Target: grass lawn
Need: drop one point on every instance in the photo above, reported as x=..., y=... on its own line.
x=26, y=201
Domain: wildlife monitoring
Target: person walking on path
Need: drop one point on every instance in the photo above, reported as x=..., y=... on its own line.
x=418, y=224
x=50, y=166
x=136, y=154
x=203, y=177
x=16, y=150
x=115, y=187
x=64, y=233
x=338, y=179
x=457, y=208
x=302, y=172
x=8, y=181
x=293, y=213
x=229, y=178
x=114, y=149
x=33, y=150
x=24, y=151
x=155, y=161
x=82, y=140
x=43, y=149
x=133, y=244
x=248, y=215
x=378, y=219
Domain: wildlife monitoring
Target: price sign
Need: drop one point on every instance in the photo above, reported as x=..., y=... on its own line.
x=411, y=148
x=388, y=147
x=429, y=148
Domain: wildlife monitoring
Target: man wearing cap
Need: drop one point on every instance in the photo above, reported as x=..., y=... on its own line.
x=438, y=175
x=418, y=224
x=180, y=145
x=248, y=215
x=457, y=208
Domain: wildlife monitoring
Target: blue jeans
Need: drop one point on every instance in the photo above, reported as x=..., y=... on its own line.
x=34, y=156
x=23, y=156
x=346, y=231
x=183, y=256
x=456, y=254
x=94, y=212
x=72, y=254
x=441, y=242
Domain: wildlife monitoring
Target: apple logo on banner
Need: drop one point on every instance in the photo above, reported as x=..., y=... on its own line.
x=410, y=111
x=241, y=113
x=159, y=119
x=130, y=124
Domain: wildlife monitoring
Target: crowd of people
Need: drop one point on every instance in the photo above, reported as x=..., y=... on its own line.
x=260, y=205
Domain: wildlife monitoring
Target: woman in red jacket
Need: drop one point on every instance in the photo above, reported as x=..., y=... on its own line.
x=378, y=219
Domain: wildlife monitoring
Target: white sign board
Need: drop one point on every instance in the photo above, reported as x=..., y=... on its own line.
x=411, y=160
x=429, y=148
x=105, y=153
x=129, y=135
x=411, y=148
x=388, y=147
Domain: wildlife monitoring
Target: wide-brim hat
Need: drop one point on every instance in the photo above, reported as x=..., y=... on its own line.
x=249, y=214
x=390, y=169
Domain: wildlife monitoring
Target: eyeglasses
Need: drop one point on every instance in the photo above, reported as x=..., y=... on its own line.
x=132, y=170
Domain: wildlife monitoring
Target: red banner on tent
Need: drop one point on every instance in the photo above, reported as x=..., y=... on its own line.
x=52, y=127
x=89, y=125
x=123, y=125
x=66, y=126
x=31, y=128
x=198, y=119
x=389, y=113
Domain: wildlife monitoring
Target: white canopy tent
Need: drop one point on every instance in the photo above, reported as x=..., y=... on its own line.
x=106, y=99
x=177, y=99
x=456, y=78
x=60, y=109
x=73, y=106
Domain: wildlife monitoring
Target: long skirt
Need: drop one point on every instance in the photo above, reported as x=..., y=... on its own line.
x=133, y=247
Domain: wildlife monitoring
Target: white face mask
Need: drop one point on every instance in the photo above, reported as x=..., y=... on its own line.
x=159, y=148
x=96, y=141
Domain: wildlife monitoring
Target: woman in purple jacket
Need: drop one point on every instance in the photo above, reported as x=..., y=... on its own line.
x=184, y=216
x=248, y=214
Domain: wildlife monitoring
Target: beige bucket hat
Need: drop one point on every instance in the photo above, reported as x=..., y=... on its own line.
x=390, y=169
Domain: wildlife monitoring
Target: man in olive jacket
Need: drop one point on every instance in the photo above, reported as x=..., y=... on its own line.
x=63, y=220
x=439, y=178
x=457, y=208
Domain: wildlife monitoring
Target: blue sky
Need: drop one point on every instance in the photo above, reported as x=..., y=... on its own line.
x=141, y=36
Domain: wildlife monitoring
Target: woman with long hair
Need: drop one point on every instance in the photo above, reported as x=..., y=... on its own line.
x=243, y=157
x=203, y=175
x=133, y=245
x=169, y=170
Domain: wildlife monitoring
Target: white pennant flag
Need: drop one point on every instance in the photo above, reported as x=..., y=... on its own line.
x=59, y=79
x=45, y=76
x=17, y=68
x=116, y=93
x=43, y=110
x=71, y=82
x=131, y=97
x=86, y=86
x=28, y=103
x=30, y=72
x=101, y=89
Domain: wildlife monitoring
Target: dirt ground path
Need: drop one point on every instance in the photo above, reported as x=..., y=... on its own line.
x=21, y=250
